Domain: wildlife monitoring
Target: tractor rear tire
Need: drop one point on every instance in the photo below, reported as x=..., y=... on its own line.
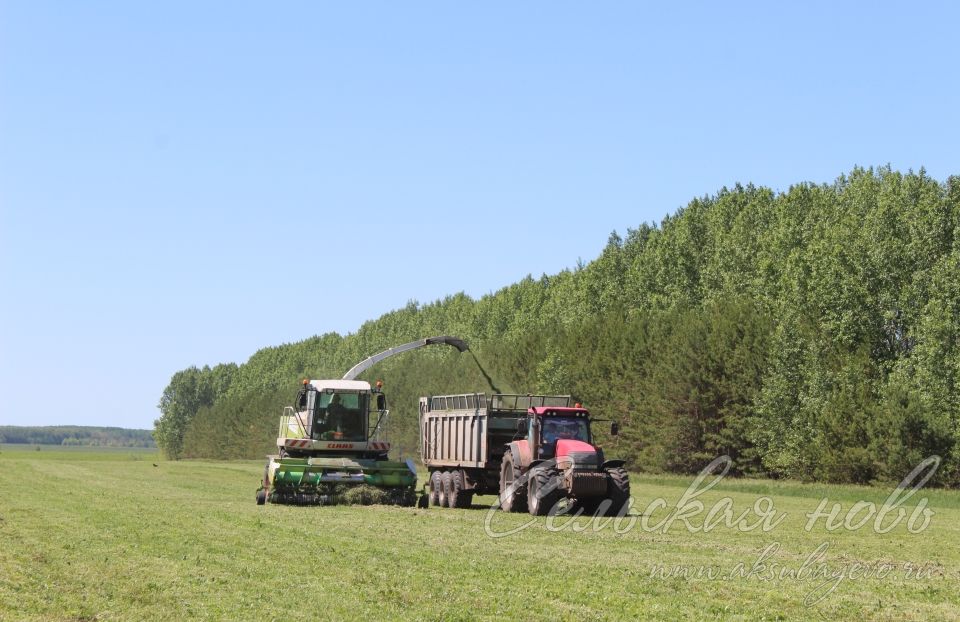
x=618, y=487
x=446, y=488
x=543, y=493
x=513, y=497
x=435, y=487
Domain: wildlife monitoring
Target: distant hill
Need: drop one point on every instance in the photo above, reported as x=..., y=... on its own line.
x=76, y=435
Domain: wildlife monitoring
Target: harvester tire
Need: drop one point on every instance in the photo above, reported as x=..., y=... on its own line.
x=261, y=497
x=435, y=486
x=618, y=487
x=445, y=489
x=543, y=493
x=514, y=500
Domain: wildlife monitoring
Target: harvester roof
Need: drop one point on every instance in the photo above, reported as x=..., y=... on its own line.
x=341, y=385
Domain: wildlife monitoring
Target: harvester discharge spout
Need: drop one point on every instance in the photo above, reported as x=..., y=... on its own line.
x=366, y=363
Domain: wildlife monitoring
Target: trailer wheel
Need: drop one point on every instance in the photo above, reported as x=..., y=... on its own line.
x=543, y=493
x=619, y=489
x=445, y=489
x=513, y=494
x=458, y=497
x=435, y=486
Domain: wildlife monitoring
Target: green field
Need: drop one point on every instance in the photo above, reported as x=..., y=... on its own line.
x=122, y=535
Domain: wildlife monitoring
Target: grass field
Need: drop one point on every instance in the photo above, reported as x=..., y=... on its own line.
x=122, y=535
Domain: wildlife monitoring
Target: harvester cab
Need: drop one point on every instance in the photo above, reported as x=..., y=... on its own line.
x=334, y=410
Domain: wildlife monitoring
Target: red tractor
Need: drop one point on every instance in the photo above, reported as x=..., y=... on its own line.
x=554, y=459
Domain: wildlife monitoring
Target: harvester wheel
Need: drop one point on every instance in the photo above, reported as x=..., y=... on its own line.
x=261, y=496
x=543, y=493
x=435, y=487
x=513, y=498
x=618, y=486
x=445, y=489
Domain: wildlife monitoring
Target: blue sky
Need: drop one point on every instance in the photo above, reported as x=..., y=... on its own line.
x=184, y=183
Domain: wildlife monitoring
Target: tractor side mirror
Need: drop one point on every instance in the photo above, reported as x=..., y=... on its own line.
x=522, y=427
x=614, y=428
x=302, y=399
x=381, y=401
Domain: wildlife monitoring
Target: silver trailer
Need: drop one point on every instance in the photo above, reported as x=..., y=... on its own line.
x=463, y=439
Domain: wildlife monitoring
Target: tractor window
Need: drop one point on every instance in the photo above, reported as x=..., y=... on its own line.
x=555, y=428
x=340, y=417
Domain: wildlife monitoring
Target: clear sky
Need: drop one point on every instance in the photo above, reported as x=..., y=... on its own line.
x=183, y=183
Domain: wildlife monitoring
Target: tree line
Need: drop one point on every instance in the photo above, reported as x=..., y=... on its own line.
x=91, y=436
x=812, y=333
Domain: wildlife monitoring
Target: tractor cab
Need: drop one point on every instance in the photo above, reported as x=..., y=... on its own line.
x=556, y=431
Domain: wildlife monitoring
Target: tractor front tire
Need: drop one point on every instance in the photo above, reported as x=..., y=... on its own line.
x=542, y=492
x=618, y=487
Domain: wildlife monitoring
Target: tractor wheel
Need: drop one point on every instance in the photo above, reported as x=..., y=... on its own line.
x=445, y=489
x=618, y=485
x=543, y=493
x=435, y=486
x=261, y=496
x=513, y=496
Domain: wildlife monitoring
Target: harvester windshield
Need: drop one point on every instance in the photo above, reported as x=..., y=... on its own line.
x=340, y=416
